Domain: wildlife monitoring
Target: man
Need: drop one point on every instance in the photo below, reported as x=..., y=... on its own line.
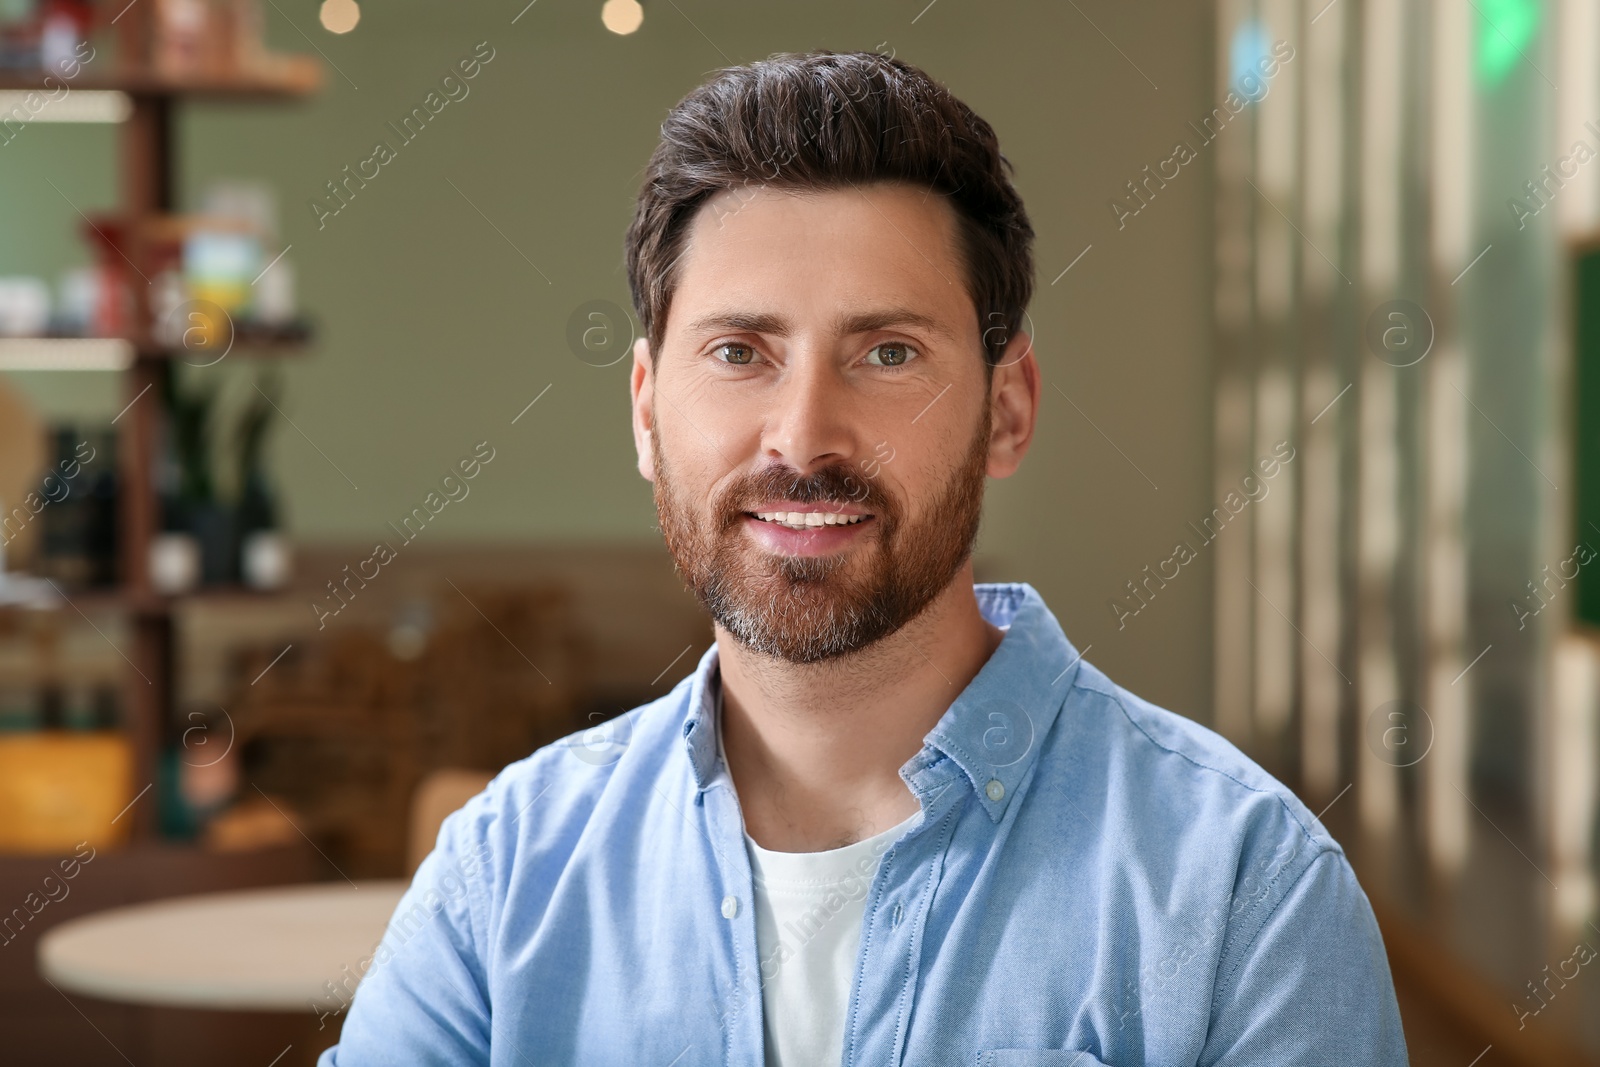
x=892, y=818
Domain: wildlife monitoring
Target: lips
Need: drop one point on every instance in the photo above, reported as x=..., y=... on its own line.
x=793, y=529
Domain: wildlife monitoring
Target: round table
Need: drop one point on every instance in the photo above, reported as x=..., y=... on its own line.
x=257, y=949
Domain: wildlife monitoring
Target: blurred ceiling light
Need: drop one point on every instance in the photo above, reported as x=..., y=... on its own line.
x=81, y=105
x=340, y=16
x=622, y=16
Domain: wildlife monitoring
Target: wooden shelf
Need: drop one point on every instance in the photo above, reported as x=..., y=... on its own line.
x=118, y=353
x=248, y=339
x=147, y=166
x=291, y=77
x=157, y=604
x=66, y=353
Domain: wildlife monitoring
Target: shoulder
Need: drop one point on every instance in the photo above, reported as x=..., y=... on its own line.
x=532, y=814
x=1181, y=789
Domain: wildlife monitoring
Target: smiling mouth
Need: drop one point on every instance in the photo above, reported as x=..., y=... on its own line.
x=805, y=520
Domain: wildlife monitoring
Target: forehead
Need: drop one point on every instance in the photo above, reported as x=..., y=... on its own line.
x=884, y=244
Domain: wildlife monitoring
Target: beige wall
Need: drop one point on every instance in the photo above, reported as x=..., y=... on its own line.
x=435, y=331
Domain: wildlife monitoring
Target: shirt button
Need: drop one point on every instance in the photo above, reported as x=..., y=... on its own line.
x=730, y=907
x=995, y=789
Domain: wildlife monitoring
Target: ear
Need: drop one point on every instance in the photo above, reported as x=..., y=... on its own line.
x=1013, y=405
x=642, y=386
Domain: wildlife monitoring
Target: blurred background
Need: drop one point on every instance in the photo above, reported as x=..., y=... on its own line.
x=318, y=501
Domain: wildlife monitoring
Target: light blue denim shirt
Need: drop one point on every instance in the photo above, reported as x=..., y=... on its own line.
x=1092, y=880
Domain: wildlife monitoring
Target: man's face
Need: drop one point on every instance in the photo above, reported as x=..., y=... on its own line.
x=817, y=421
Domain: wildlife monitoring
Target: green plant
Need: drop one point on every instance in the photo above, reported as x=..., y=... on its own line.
x=190, y=415
x=251, y=433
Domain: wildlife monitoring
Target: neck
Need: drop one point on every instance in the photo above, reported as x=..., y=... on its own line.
x=815, y=749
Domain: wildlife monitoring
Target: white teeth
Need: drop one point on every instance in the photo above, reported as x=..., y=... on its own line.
x=807, y=519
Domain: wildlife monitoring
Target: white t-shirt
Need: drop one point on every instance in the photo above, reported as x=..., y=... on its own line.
x=809, y=907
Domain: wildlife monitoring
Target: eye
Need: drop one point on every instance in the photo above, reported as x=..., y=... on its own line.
x=891, y=354
x=736, y=353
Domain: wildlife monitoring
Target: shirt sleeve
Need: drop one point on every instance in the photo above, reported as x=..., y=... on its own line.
x=1312, y=986
x=423, y=997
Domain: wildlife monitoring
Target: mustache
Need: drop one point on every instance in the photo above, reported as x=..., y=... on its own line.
x=841, y=484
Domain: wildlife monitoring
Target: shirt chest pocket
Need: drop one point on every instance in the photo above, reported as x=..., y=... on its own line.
x=1036, y=1057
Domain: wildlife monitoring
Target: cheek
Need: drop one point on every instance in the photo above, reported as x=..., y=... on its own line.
x=922, y=457
x=705, y=432
x=688, y=462
x=926, y=470
x=688, y=409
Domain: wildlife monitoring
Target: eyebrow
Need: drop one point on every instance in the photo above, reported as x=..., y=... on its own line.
x=848, y=324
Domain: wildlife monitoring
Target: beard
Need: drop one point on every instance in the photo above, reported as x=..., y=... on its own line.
x=806, y=609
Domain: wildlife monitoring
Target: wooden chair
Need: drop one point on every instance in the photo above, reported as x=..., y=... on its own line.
x=440, y=793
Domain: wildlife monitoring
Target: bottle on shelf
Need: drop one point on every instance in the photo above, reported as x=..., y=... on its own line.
x=78, y=522
x=64, y=521
x=263, y=550
x=174, y=562
x=63, y=29
x=101, y=495
x=196, y=506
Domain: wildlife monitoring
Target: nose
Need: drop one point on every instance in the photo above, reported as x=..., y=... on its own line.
x=812, y=421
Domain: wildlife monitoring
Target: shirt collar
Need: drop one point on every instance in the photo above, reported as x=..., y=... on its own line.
x=993, y=729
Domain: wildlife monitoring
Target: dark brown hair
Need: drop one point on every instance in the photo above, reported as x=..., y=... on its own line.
x=826, y=120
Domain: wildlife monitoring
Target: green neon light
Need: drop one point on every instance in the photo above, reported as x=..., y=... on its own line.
x=1504, y=34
